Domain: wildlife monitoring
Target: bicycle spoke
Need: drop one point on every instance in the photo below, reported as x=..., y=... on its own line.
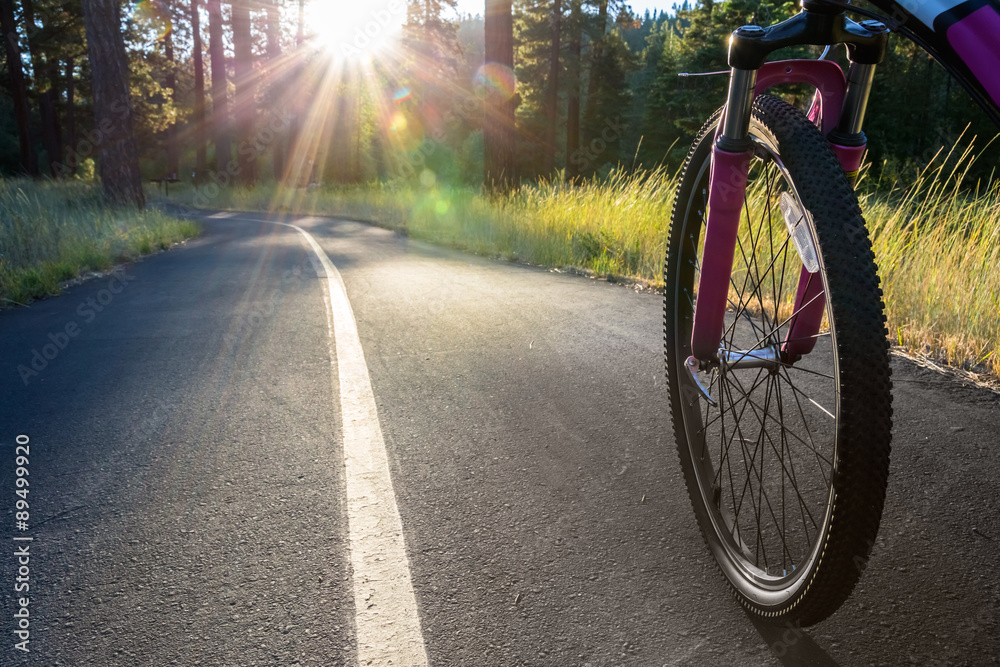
x=788, y=471
x=766, y=444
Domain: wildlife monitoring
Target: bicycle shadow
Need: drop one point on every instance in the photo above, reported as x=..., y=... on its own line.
x=791, y=644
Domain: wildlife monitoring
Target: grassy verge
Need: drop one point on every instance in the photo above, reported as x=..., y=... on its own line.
x=51, y=232
x=614, y=228
x=938, y=247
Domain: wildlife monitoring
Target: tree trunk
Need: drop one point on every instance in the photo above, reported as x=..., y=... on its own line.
x=43, y=85
x=246, y=94
x=573, y=103
x=552, y=93
x=55, y=92
x=199, y=94
x=47, y=84
x=499, y=176
x=50, y=132
x=220, y=100
x=278, y=146
x=70, y=147
x=113, y=112
x=296, y=165
x=597, y=41
x=30, y=30
x=173, y=151
x=18, y=87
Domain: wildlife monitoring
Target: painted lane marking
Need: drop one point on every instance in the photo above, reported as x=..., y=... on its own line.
x=388, y=627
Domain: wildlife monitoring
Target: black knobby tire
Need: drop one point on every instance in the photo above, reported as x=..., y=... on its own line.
x=787, y=474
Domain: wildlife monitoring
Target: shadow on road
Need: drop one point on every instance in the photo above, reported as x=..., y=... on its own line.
x=791, y=644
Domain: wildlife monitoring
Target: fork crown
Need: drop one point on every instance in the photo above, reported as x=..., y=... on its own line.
x=749, y=46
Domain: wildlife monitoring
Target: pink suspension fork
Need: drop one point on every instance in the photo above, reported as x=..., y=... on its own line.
x=727, y=186
x=731, y=157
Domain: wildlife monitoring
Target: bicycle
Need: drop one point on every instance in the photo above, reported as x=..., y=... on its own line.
x=775, y=341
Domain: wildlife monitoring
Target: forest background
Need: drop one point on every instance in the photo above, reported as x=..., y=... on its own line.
x=597, y=88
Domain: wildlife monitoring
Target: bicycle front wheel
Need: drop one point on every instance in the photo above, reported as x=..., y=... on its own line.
x=786, y=459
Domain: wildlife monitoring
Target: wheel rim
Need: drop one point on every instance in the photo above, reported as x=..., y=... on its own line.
x=765, y=456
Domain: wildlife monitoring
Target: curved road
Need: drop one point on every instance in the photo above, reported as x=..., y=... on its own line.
x=190, y=495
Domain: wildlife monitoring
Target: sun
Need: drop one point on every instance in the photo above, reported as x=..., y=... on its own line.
x=355, y=29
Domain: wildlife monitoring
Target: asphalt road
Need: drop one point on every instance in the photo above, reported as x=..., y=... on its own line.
x=188, y=496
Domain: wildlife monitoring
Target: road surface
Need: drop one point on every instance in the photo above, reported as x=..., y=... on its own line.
x=193, y=486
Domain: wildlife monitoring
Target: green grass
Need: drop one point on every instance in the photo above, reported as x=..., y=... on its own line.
x=938, y=247
x=51, y=232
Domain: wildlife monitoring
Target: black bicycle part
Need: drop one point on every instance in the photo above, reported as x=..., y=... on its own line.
x=750, y=46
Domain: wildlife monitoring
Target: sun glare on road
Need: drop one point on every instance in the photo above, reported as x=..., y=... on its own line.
x=355, y=30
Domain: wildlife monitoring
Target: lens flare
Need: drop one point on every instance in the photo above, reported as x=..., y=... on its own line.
x=495, y=80
x=398, y=123
x=405, y=131
x=436, y=205
x=402, y=95
x=154, y=15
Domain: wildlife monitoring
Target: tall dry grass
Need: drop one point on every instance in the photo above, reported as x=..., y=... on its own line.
x=51, y=232
x=937, y=243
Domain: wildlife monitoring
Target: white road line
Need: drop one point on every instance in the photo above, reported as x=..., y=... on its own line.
x=388, y=627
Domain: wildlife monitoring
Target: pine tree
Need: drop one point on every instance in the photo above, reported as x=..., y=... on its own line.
x=245, y=105
x=660, y=133
x=19, y=89
x=199, y=118
x=170, y=136
x=535, y=61
x=47, y=31
x=606, y=118
x=220, y=94
x=430, y=39
x=113, y=111
x=552, y=88
x=598, y=29
x=574, y=76
x=275, y=78
x=498, y=130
